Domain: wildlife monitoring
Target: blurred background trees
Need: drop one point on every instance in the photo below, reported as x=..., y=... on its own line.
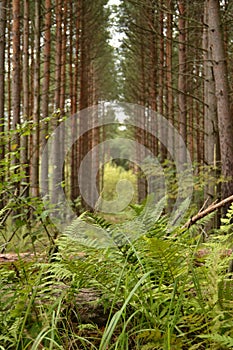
x=56, y=59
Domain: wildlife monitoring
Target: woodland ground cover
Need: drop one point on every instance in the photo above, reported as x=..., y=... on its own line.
x=168, y=289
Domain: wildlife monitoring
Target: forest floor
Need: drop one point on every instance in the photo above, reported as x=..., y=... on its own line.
x=90, y=310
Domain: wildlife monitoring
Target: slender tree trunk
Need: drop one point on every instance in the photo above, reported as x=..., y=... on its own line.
x=141, y=182
x=63, y=59
x=74, y=104
x=211, y=145
x=2, y=81
x=162, y=131
x=199, y=132
x=2, y=91
x=45, y=96
x=95, y=153
x=9, y=88
x=16, y=82
x=225, y=119
x=31, y=102
x=56, y=151
x=25, y=139
x=85, y=178
x=36, y=105
x=153, y=79
x=169, y=92
x=191, y=127
x=182, y=103
x=63, y=83
x=73, y=74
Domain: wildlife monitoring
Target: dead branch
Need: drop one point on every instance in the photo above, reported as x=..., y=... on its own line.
x=214, y=206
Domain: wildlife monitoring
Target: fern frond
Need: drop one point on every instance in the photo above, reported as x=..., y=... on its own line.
x=15, y=327
x=224, y=340
x=90, y=235
x=98, y=220
x=195, y=229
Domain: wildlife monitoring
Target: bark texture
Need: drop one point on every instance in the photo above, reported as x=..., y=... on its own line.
x=225, y=119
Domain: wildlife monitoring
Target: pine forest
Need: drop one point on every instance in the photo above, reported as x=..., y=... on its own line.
x=116, y=174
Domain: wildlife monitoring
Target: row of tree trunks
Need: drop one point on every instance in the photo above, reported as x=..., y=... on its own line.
x=190, y=87
x=55, y=61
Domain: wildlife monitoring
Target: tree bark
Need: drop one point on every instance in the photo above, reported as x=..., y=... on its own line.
x=211, y=144
x=169, y=92
x=85, y=178
x=2, y=82
x=2, y=92
x=36, y=105
x=25, y=139
x=153, y=47
x=9, y=85
x=16, y=84
x=74, y=78
x=56, y=151
x=225, y=119
x=141, y=181
x=161, y=80
x=182, y=86
x=63, y=84
x=45, y=96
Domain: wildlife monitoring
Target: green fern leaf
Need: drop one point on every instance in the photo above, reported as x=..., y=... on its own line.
x=220, y=339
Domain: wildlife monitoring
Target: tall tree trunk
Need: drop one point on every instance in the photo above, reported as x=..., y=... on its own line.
x=2, y=91
x=2, y=81
x=153, y=80
x=84, y=179
x=73, y=74
x=16, y=82
x=211, y=145
x=45, y=96
x=182, y=103
x=225, y=119
x=25, y=139
x=141, y=181
x=56, y=151
x=95, y=179
x=63, y=83
x=74, y=192
x=36, y=105
x=169, y=92
x=9, y=87
x=162, y=131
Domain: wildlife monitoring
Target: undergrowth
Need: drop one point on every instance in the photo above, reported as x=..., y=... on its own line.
x=163, y=290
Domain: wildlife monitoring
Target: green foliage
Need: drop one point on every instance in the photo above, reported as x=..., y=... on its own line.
x=16, y=228
x=227, y=221
x=112, y=175
x=225, y=341
x=161, y=289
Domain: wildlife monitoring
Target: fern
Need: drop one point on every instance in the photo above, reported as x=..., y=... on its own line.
x=94, y=231
x=223, y=340
x=98, y=220
x=13, y=331
x=179, y=298
x=227, y=222
x=199, y=226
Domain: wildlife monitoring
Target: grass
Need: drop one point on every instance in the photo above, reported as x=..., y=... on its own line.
x=166, y=290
